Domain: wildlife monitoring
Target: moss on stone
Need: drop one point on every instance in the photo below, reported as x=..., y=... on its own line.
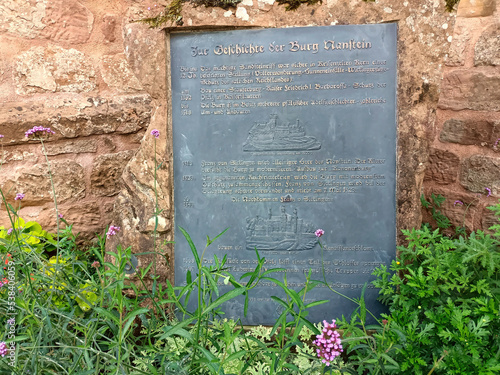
x=450, y=4
x=224, y=4
x=294, y=4
x=172, y=13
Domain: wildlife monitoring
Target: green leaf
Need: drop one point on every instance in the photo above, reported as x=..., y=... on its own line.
x=362, y=304
x=316, y=303
x=210, y=279
x=291, y=367
x=245, y=307
x=390, y=360
x=225, y=297
x=136, y=312
x=309, y=325
x=191, y=245
x=280, y=301
x=108, y=314
x=210, y=241
x=177, y=329
x=236, y=355
x=295, y=297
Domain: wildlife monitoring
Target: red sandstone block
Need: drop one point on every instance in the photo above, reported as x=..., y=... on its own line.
x=465, y=89
x=442, y=167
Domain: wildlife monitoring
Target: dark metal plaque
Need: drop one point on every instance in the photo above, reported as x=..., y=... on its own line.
x=277, y=133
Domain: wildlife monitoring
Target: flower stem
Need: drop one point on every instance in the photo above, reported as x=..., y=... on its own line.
x=156, y=222
x=336, y=291
x=53, y=192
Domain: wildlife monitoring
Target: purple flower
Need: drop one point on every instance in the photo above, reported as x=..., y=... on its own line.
x=155, y=133
x=11, y=321
x=38, y=131
x=496, y=143
x=319, y=233
x=9, y=232
x=19, y=196
x=60, y=216
x=3, y=348
x=328, y=343
x=458, y=202
x=488, y=190
x=112, y=231
x=1, y=135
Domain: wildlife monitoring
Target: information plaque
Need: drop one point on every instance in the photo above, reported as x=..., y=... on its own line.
x=278, y=133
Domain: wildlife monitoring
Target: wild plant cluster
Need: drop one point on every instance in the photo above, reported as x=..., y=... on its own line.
x=68, y=309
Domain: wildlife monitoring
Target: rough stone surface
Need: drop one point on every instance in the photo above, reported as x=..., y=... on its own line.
x=475, y=8
x=86, y=217
x=106, y=172
x=487, y=49
x=51, y=69
x=241, y=12
x=135, y=205
x=23, y=18
x=75, y=116
x=146, y=55
x=9, y=154
x=34, y=182
x=67, y=21
x=479, y=172
x=461, y=38
x=442, y=167
x=488, y=220
x=468, y=132
x=466, y=89
x=463, y=209
x=72, y=147
x=117, y=74
x=108, y=27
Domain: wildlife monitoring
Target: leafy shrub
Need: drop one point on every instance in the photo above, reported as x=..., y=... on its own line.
x=443, y=299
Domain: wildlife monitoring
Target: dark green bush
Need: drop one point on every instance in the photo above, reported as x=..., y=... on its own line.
x=443, y=300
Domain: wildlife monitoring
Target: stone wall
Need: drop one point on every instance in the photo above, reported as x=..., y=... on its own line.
x=64, y=65
x=464, y=161
x=100, y=82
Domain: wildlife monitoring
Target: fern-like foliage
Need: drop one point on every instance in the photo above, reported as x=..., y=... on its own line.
x=443, y=299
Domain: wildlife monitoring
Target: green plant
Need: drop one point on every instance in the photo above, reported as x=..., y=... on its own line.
x=442, y=295
x=75, y=311
x=203, y=344
x=444, y=310
x=63, y=315
x=67, y=316
x=447, y=304
x=434, y=206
